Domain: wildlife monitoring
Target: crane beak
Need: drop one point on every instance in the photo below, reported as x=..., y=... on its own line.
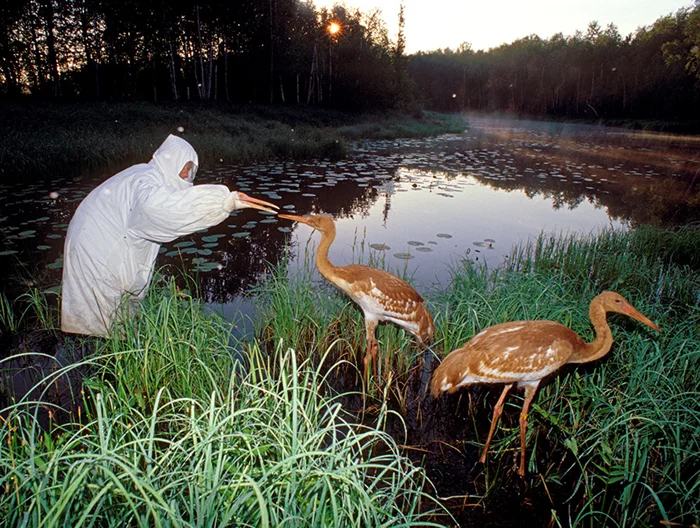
x=634, y=313
x=255, y=203
x=295, y=218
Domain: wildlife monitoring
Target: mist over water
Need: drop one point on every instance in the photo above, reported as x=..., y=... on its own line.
x=412, y=206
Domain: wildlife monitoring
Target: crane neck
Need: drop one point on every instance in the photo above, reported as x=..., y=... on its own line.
x=602, y=343
x=322, y=263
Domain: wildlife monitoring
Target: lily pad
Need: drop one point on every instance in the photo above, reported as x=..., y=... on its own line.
x=211, y=238
x=56, y=264
x=444, y=235
x=424, y=249
x=211, y=245
x=284, y=229
x=379, y=247
x=207, y=267
x=8, y=252
x=241, y=234
x=415, y=243
x=204, y=251
x=27, y=234
x=43, y=247
x=184, y=244
x=403, y=256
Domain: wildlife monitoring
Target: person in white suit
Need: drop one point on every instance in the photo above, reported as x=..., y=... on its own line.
x=115, y=234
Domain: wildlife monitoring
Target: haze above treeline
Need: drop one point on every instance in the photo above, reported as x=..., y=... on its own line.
x=284, y=52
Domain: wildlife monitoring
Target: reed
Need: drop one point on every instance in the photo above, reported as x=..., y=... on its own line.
x=618, y=440
x=41, y=139
x=259, y=446
x=8, y=319
x=40, y=306
x=309, y=314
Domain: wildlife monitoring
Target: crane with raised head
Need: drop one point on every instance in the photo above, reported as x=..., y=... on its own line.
x=381, y=295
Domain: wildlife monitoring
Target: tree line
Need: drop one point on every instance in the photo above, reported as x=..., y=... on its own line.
x=652, y=73
x=262, y=51
x=285, y=52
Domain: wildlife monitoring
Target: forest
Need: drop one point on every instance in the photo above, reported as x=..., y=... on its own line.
x=292, y=53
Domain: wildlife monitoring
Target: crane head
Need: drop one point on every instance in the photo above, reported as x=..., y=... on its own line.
x=321, y=223
x=614, y=302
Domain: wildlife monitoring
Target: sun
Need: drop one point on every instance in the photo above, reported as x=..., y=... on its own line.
x=333, y=28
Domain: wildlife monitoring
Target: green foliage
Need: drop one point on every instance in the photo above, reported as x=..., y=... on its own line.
x=8, y=320
x=597, y=74
x=628, y=426
x=75, y=137
x=174, y=434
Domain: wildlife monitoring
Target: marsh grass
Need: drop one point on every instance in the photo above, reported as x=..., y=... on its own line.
x=312, y=316
x=253, y=446
x=183, y=426
x=617, y=441
x=8, y=319
x=43, y=139
x=35, y=308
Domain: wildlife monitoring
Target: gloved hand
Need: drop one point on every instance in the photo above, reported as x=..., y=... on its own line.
x=239, y=200
x=232, y=202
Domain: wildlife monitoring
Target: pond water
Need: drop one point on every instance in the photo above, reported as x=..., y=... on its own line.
x=414, y=205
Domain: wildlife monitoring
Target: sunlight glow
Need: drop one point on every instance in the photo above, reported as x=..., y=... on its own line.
x=333, y=28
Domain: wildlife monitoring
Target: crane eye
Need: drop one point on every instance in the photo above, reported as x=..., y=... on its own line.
x=618, y=301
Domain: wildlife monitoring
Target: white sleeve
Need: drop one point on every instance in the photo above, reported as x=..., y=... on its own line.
x=162, y=214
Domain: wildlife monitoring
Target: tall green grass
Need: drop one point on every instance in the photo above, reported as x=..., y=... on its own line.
x=41, y=139
x=35, y=309
x=312, y=316
x=179, y=428
x=617, y=440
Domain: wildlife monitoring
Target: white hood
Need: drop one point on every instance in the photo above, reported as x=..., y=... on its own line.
x=172, y=156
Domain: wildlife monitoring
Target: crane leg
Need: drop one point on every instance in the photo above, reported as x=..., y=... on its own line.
x=496, y=415
x=529, y=394
x=372, y=346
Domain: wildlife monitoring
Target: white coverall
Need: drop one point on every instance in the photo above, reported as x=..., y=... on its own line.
x=116, y=232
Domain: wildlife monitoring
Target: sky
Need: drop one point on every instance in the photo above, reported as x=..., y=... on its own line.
x=433, y=24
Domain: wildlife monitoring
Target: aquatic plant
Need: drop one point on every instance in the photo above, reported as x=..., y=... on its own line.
x=311, y=315
x=260, y=446
x=618, y=441
x=8, y=320
x=73, y=137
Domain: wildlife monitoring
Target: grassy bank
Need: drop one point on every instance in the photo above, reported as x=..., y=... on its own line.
x=617, y=441
x=177, y=428
x=41, y=139
x=177, y=424
x=613, y=443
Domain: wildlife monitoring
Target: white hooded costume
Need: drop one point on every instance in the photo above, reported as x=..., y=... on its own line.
x=116, y=232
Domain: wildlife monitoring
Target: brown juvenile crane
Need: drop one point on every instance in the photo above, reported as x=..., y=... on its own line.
x=525, y=352
x=381, y=295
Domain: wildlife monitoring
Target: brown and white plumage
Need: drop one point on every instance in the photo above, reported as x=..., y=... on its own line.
x=381, y=295
x=525, y=352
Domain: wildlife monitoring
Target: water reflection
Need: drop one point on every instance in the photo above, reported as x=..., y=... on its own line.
x=416, y=204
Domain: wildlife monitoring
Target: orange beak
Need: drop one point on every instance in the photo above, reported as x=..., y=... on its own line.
x=294, y=218
x=255, y=203
x=634, y=313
